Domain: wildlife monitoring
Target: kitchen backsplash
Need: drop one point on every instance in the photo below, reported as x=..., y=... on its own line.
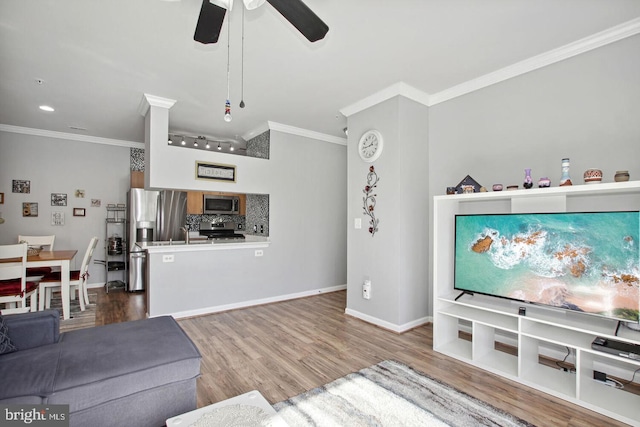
x=256, y=222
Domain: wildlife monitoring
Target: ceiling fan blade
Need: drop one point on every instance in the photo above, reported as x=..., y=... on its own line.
x=209, y=23
x=301, y=17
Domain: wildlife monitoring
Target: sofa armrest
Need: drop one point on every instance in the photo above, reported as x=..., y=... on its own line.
x=33, y=329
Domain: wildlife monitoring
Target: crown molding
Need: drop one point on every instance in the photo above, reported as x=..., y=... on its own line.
x=594, y=41
x=148, y=101
x=306, y=133
x=70, y=136
x=396, y=89
x=578, y=47
x=255, y=132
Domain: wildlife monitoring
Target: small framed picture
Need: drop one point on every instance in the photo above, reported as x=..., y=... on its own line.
x=80, y=194
x=21, y=186
x=58, y=199
x=1, y=198
x=79, y=211
x=29, y=209
x=215, y=171
x=57, y=218
x=95, y=203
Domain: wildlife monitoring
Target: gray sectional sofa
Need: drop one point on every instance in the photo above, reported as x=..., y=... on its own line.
x=135, y=373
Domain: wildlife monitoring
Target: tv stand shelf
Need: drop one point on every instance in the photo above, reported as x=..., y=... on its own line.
x=476, y=329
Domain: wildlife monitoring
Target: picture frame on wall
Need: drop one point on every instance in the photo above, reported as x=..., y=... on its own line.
x=215, y=171
x=21, y=186
x=1, y=198
x=79, y=212
x=29, y=209
x=57, y=218
x=58, y=199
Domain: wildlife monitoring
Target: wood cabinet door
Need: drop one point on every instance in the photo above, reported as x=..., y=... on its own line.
x=195, y=202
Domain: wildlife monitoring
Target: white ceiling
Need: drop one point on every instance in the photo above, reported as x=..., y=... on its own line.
x=98, y=57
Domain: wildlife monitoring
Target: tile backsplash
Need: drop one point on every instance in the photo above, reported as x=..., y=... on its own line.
x=257, y=217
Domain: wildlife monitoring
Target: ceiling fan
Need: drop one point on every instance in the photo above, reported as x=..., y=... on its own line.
x=295, y=11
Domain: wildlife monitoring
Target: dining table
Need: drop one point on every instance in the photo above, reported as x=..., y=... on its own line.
x=60, y=259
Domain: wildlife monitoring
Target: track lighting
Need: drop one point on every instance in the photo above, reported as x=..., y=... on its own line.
x=207, y=146
x=195, y=143
x=183, y=141
x=170, y=141
x=219, y=147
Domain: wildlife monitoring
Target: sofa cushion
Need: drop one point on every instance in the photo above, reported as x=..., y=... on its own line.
x=28, y=374
x=104, y=363
x=6, y=346
x=34, y=329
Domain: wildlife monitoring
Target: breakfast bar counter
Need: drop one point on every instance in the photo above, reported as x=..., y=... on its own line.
x=206, y=276
x=249, y=242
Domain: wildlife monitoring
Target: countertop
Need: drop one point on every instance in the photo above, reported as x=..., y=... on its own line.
x=248, y=242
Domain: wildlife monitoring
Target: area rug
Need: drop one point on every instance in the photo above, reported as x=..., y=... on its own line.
x=390, y=394
x=77, y=319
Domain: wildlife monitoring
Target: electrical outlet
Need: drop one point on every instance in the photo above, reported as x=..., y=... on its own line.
x=366, y=289
x=259, y=252
x=167, y=258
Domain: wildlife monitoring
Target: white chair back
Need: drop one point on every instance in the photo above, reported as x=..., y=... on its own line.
x=46, y=241
x=14, y=296
x=84, y=268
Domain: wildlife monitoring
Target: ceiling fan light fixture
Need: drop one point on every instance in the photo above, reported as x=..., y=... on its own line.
x=225, y=4
x=253, y=4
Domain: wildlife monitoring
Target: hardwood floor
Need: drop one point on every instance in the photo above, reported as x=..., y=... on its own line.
x=286, y=348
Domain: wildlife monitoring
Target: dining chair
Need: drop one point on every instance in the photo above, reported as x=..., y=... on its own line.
x=14, y=286
x=46, y=242
x=77, y=281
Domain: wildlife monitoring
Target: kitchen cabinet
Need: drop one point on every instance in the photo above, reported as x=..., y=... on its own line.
x=195, y=201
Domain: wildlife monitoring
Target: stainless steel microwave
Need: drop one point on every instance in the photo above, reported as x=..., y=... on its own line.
x=214, y=204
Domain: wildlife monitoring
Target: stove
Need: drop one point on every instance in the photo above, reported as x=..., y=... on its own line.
x=220, y=231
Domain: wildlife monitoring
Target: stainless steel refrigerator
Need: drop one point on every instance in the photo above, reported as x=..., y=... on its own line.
x=153, y=216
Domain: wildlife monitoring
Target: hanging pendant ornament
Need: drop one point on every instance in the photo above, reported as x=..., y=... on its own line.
x=227, y=111
x=242, y=63
x=227, y=104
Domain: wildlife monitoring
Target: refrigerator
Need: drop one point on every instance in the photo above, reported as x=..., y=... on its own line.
x=153, y=216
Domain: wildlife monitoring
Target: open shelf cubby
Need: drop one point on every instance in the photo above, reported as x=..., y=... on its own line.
x=547, y=349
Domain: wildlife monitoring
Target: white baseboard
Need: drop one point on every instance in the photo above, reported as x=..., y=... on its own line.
x=388, y=325
x=244, y=304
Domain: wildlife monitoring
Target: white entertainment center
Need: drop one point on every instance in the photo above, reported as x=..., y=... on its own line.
x=475, y=328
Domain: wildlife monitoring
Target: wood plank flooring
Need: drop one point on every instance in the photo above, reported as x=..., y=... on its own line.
x=286, y=348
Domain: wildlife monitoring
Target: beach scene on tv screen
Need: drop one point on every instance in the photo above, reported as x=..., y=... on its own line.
x=588, y=262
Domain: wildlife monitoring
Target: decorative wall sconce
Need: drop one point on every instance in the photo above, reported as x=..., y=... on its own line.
x=369, y=200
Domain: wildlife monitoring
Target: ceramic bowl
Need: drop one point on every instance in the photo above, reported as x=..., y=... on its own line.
x=592, y=176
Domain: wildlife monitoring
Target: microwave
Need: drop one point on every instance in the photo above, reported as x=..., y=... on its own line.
x=214, y=204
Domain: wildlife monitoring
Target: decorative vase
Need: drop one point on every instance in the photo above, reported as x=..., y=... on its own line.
x=565, y=179
x=544, y=182
x=621, y=176
x=528, y=182
x=592, y=176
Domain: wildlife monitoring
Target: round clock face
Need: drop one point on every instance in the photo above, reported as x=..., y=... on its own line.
x=370, y=146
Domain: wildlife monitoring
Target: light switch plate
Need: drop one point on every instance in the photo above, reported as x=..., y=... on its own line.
x=357, y=223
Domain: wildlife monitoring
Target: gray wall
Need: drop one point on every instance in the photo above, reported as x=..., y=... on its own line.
x=586, y=108
x=394, y=259
x=61, y=166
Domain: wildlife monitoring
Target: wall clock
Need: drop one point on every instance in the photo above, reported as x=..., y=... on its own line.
x=370, y=145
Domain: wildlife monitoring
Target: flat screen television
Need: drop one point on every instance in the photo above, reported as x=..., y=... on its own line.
x=587, y=262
